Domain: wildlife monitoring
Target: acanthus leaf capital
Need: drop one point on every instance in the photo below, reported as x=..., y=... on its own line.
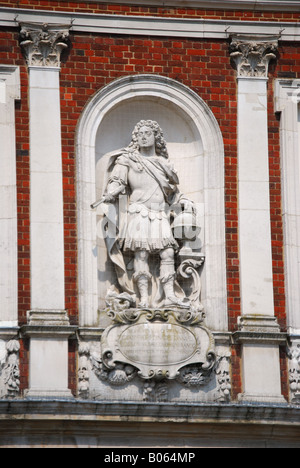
x=44, y=43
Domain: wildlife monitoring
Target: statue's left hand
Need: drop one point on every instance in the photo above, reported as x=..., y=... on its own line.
x=188, y=206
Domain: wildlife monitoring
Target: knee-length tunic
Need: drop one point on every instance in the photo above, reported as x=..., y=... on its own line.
x=152, y=186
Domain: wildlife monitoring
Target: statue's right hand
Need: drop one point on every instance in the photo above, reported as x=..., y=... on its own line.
x=108, y=198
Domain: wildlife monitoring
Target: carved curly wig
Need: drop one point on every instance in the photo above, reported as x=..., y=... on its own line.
x=160, y=143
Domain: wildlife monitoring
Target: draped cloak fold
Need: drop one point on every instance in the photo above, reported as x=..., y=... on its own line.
x=164, y=177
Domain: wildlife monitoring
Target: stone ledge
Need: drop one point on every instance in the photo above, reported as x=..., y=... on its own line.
x=85, y=410
x=48, y=331
x=262, y=329
x=51, y=317
x=42, y=394
x=7, y=333
x=48, y=323
x=60, y=423
x=259, y=337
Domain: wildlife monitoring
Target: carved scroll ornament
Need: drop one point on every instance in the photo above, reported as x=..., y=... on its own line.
x=175, y=339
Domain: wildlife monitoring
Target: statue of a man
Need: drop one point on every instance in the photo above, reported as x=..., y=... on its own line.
x=144, y=173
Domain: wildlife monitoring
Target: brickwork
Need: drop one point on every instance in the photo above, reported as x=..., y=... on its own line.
x=202, y=65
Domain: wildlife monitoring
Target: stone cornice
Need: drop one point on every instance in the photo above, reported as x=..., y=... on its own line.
x=251, y=5
x=150, y=25
x=100, y=412
x=76, y=423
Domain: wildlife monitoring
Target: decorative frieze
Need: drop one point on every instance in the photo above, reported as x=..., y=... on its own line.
x=43, y=44
x=251, y=55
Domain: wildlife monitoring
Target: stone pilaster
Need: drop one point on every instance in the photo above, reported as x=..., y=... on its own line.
x=287, y=103
x=9, y=92
x=48, y=323
x=258, y=329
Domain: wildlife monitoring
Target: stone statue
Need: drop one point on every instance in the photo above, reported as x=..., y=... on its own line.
x=157, y=330
x=143, y=188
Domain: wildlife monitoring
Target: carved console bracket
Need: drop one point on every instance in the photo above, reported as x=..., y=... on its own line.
x=43, y=44
x=251, y=55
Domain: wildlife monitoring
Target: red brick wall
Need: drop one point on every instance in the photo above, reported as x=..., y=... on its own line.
x=204, y=66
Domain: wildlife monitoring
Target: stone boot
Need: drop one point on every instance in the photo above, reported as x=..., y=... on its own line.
x=142, y=280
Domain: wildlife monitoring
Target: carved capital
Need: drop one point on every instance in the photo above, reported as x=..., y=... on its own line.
x=251, y=55
x=43, y=44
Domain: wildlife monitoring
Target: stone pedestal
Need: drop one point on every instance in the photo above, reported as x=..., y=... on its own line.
x=49, y=332
x=260, y=337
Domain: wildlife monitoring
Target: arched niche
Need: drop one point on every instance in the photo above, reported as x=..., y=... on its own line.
x=196, y=149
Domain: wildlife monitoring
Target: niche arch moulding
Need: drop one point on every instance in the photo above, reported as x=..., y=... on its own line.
x=195, y=149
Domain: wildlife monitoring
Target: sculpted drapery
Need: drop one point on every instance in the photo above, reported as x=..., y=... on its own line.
x=143, y=188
